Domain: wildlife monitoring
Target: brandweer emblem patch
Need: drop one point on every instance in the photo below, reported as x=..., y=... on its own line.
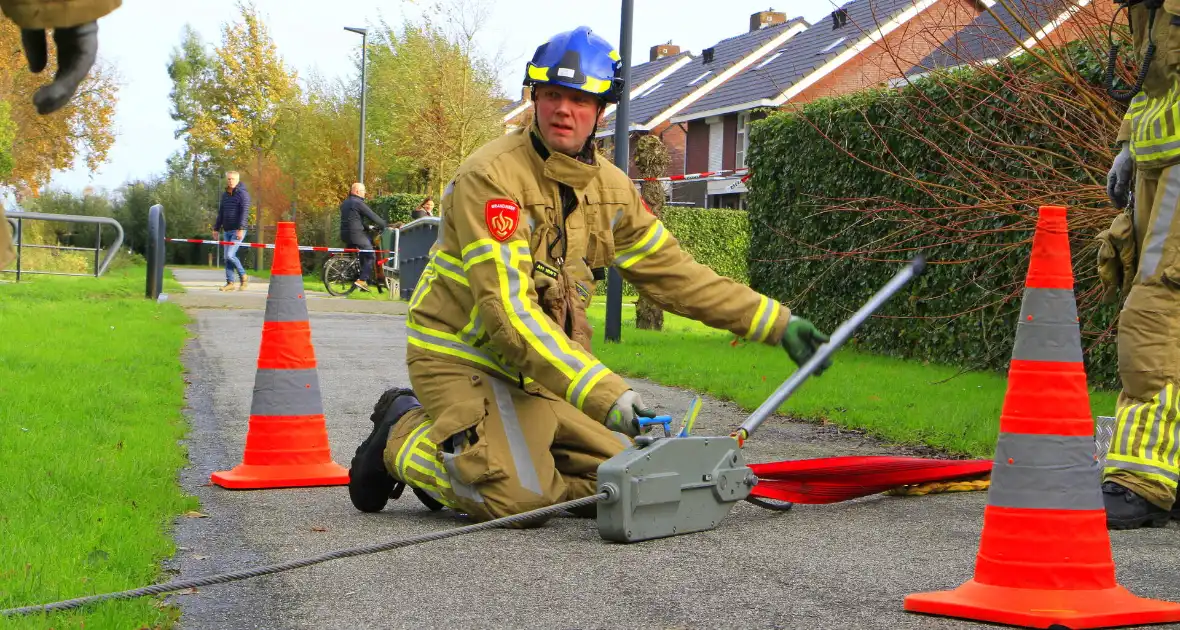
x=502, y=216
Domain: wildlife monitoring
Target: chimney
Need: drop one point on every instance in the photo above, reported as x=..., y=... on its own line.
x=839, y=18
x=763, y=19
x=664, y=50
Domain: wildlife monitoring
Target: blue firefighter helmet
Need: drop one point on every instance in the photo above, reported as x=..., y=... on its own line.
x=578, y=59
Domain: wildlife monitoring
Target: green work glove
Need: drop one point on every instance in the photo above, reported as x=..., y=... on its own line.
x=625, y=413
x=801, y=340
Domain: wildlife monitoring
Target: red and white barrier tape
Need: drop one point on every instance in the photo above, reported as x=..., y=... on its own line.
x=705, y=175
x=302, y=248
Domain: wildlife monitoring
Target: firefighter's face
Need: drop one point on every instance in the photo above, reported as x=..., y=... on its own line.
x=565, y=117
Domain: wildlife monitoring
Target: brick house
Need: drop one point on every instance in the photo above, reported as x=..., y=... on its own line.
x=864, y=43
x=652, y=107
x=993, y=35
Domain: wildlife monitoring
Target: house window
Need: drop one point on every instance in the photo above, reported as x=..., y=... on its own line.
x=743, y=139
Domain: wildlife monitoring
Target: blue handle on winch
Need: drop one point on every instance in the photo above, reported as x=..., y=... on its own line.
x=664, y=420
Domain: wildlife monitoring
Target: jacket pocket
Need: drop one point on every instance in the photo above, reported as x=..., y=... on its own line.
x=600, y=249
x=463, y=428
x=504, y=338
x=1117, y=257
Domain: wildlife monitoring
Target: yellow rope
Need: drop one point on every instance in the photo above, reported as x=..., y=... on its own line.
x=935, y=487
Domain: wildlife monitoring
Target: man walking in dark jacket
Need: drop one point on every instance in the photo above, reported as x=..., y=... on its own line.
x=233, y=214
x=353, y=214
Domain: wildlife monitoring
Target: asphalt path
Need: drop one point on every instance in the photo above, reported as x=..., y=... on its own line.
x=847, y=565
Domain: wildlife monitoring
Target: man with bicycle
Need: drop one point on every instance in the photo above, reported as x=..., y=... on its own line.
x=353, y=214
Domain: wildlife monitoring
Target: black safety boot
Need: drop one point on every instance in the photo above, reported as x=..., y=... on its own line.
x=370, y=486
x=1127, y=510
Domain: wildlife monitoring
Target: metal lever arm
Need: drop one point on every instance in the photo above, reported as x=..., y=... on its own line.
x=838, y=338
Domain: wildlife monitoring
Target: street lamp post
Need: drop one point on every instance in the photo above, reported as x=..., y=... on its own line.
x=614, y=281
x=364, y=32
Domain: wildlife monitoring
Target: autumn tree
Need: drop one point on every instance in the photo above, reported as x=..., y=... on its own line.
x=228, y=101
x=34, y=145
x=317, y=143
x=433, y=99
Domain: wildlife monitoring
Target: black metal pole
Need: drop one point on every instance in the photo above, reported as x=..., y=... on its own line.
x=614, y=282
x=20, y=241
x=151, y=253
x=97, y=247
x=364, y=80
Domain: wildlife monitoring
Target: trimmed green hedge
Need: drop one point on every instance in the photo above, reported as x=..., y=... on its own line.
x=809, y=252
x=718, y=238
x=396, y=207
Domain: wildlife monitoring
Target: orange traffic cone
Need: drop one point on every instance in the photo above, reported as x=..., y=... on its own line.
x=1044, y=556
x=287, y=440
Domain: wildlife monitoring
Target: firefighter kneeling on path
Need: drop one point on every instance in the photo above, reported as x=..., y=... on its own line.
x=1140, y=254
x=509, y=411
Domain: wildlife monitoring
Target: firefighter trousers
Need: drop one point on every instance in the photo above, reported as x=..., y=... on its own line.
x=484, y=446
x=1143, y=453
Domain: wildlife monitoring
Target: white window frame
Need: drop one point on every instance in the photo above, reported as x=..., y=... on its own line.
x=743, y=139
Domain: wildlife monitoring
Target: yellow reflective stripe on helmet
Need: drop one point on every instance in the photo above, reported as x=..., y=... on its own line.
x=597, y=86
x=538, y=74
x=650, y=243
x=763, y=320
x=614, y=56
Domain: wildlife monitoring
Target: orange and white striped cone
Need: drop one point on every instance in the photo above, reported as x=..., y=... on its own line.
x=287, y=439
x=1044, y=556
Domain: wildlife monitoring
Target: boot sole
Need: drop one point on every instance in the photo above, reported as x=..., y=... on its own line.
x=1154, y=520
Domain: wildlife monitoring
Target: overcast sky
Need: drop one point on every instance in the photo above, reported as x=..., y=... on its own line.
x=138, y=39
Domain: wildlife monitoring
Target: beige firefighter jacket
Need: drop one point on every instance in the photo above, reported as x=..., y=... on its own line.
x=1152, y=120
x=46, y=14
x=504, y=246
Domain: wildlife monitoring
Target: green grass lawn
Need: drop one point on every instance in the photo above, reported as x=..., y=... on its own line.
x=898, y=400
x=92, y=389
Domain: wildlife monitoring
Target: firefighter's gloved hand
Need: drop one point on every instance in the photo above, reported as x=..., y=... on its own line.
x=801, y=340
x=77, y=48
x=1118, y=179
x=625, y=413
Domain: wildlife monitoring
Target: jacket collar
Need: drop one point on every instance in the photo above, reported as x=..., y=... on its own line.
x=575, y=173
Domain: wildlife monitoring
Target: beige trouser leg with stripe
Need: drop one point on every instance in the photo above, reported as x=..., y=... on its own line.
x=484, y=446
x=1143, y=453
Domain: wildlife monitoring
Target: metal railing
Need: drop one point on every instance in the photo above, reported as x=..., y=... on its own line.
x=16, y=218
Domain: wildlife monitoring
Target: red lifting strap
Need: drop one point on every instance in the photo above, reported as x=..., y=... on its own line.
x=834, y=479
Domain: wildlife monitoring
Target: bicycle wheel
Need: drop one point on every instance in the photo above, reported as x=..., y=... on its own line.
x=339, y=274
